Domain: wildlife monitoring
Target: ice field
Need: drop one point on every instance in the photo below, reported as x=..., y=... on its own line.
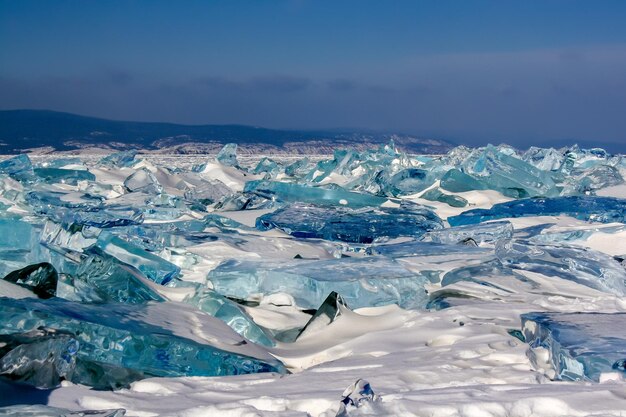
x=484, y=282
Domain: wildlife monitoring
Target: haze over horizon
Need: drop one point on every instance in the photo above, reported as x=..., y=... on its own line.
x=485, y=71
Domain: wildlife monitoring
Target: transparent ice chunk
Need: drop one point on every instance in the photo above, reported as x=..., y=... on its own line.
x=348, y=225
x=97, y=218
x=268, y=167
x=208, y=192
x=117, y=344
x=429, y=259
x=298, y=168
x=452, y=200
x=410, y=181
x=228, y=155
x=581, y=345
x=62, y=163
x=152, y=266
x=546, y=159
x=508, y=174
x=564, y=236
x=456, y=181
x=491, y=274
x=598, y=209
x=120, y=159
x=335, y=196
x=40, y=357
x=144, y=181
x=18, y=244
x=581, y=265
x=100, y=278
x=230, y=313
x=72, y=236
x=362, y=282
x=587, y=181
x=488, y=233
x=18, y=167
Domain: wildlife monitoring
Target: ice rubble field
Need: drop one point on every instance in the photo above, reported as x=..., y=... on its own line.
x=485, y=282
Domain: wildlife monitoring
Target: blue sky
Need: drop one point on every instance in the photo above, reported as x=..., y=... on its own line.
x=472, y=71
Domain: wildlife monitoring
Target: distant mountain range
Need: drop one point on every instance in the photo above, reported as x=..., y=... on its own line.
x=22, y=130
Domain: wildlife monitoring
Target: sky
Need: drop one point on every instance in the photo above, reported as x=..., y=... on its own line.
x=520, y=72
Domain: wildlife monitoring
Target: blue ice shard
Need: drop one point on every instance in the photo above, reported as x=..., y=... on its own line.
x=348, y=225
x=582, y=346
x=371, y=281
x=410, y=181
x=18, y=167
x=143, y=181
x=82, y=209
x=488, y=233
x=591, y=208
x=40, y=357
x=120, y=159
x=208, y=192
x=457, y=182
x=268, y=167
x=581, y=265
x=564, y=236
x=228, y=155
x=430, y=259
x=230, y=313
x=298, y=168
x=72, y=236
x=341, y=162
x=111, y=345
x=488, y=280
x=502, y=171
x=65, y=176
x=588, y=181
x=546, y=159
x=152, y=266
x=100, y=278
x=450, y=199
x=332, y=196
x=491, y=274
x=18, y=244
x=15, y=235
x=427, y=249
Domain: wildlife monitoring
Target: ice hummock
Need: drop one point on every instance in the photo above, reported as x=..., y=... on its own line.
x=235, y=242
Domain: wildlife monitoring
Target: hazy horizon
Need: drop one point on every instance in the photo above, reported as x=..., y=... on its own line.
x=618, y=148
x=531, y=73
